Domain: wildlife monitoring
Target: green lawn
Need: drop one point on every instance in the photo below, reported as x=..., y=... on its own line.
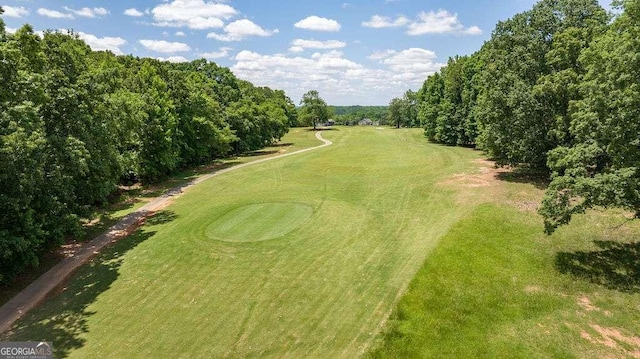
x=209, y=276
x=309, y=255
x=496, y=287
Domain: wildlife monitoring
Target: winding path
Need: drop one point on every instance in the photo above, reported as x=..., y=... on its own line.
x=39, y=289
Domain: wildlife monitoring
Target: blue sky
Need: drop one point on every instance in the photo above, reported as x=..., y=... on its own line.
x=351, y=51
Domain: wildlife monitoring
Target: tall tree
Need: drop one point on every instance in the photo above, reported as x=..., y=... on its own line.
x=430, y=96
x=395, y=112
x=314, y=109
x=602, y=166
x=524, y=90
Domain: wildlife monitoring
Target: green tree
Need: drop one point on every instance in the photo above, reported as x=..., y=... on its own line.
x=410, y=109
x=525, y=91
x=314, y=109
x=429, y=97
x=601, y=167
x=396, y=111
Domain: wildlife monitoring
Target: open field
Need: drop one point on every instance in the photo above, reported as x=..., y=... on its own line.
x=323, y=287
x=307, y=256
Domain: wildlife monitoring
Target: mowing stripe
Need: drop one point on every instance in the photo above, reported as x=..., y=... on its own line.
x=39, y=289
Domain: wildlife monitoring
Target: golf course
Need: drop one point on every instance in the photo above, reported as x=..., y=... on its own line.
x=381, y=244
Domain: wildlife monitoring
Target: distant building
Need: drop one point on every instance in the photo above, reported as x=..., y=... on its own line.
x=365, y=122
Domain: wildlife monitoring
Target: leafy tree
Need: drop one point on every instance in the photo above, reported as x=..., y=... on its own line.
x=159, y=153
x=314, y=109
x=410, y=109
x=404, y=111
x=601, y=167
x=525, y=93
x=429, y=97
x=396, y=111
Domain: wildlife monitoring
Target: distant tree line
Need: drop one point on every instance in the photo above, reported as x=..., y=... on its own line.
x=557, y=89
x=75, y=123
x=351, y=115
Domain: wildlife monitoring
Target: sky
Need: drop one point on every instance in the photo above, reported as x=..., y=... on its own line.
x=353, y=52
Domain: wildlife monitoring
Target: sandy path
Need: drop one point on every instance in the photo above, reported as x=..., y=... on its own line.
x=38, y=290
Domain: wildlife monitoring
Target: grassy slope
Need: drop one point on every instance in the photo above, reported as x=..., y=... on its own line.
x=322, y=290
x=491, y=289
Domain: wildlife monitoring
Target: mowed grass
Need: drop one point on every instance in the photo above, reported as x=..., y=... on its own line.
x=351, y=225
x=496, y=287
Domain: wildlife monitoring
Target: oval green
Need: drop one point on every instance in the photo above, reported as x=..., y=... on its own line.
x=258, y=222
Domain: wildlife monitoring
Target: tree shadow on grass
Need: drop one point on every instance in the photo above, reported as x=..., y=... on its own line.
x=321, y=128
x=539, y=179
x=63, y=318
x=161, y=217
x=258, y=153
x=615, y=266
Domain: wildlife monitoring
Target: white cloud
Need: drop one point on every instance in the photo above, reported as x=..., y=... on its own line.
x=339, y=79
x=180, y=33
x=379, y=55
x=103, y=43
x=54, y=14
x=224, y=52
x=88, y=12
x=414, y=64
x=174, y=59
x=12, y=11
x=165, y=46
x=378, y=22
x=240, y=30
x=133, y=12
x=440, y=22
x=318, y=23
x=11, y=30
x=299, y=45
x=473, y=30
x=195, y=14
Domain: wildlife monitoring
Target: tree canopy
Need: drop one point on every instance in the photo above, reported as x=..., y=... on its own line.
x=403, y=111
x=601, y=166
x=75, y=124
x=314, y=109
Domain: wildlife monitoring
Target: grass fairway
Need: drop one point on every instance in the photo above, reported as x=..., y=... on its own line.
x=496, y=287
x=304, y=256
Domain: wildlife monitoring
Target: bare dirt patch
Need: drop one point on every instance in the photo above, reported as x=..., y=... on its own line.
x=487, y=184
x=585, y=304
x=530, y=289
x=480, y=186
x=613, y=338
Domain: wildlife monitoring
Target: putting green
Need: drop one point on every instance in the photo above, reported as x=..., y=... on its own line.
x=259, y=222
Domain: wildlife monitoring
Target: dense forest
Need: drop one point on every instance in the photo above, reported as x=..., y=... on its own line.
x=556, y=89
x=74, y=124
